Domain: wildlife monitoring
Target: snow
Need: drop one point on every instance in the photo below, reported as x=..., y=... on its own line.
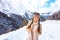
x=21, y=6
x=9, y=6
x=50, y=28
x=15, y=35
x=50, y=31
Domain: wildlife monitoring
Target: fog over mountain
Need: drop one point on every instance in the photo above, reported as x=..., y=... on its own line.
x=21, y=6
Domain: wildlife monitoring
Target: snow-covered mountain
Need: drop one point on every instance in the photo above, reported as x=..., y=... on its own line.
x=50, y=28
x=9, y=6
x=50, y=31
x=26, y=7
x=21, y=6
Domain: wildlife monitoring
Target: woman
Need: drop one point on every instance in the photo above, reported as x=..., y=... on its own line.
x=34, y=27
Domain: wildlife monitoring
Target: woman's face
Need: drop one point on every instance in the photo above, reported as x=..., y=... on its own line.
x=35, y=18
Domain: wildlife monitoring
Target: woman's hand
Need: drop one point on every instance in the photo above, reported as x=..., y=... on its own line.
x=29, y=30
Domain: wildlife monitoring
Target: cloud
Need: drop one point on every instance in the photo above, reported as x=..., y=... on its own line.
x=33, y=5
x=41, y=6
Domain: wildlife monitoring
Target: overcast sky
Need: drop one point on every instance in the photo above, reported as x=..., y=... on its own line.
x=42, y=5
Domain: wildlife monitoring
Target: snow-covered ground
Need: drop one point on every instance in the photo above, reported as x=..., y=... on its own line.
x=50, y=31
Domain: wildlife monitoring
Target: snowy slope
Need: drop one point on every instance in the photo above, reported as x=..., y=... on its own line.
x=9, y=6
x=50, y=31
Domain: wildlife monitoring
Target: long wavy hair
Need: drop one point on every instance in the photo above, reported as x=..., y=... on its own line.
x=38, y=22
